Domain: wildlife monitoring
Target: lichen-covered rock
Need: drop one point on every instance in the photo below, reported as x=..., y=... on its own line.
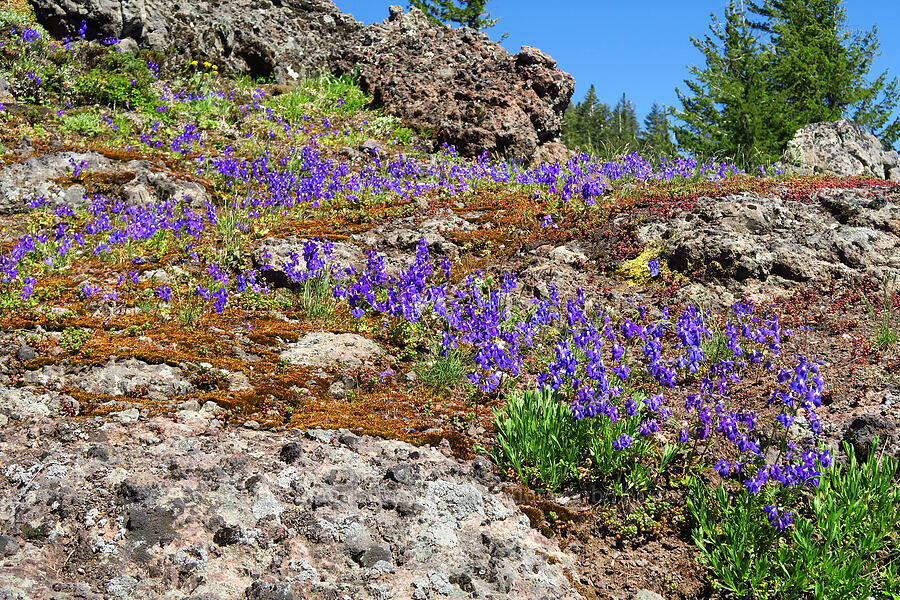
x=36, y=177
x=211, y=513
x=54, y=178
x=455, y=83
x=115, y=378
x=22, y=403
x=840, y=148
x=752, y=237
x=326, y=349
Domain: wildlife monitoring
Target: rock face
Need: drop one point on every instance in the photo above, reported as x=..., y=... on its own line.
x=841, y=148
x=165, y=509
x=286, y=39
x=743, y=237
x=460, y=85
x=455, y=83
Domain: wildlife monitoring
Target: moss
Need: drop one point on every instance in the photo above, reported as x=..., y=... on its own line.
x=35, y=534
x=636, y=270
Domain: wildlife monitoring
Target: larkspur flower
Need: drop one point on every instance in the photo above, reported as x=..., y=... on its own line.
x=622, y=442
x=30, y=36
x=779, y=519
x=164, y=293
x=27, y=287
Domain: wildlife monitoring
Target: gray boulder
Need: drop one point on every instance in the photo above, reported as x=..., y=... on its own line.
x=218, y=513
x=840, y=148
x=753, y=237
x=326, y=349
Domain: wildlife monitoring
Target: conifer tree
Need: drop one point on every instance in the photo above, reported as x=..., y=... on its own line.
x=729, y=106
x=625, y=126
x=466, y=13
x=819, y=68
x=656, y=138
x=586, y=124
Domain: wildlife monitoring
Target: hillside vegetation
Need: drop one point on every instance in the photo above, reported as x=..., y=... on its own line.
x=293, y=254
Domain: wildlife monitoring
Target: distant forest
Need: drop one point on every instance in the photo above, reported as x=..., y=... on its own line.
x=593, y=126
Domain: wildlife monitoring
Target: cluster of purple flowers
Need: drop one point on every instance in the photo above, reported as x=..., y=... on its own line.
x=31, y=36
x=779, y=519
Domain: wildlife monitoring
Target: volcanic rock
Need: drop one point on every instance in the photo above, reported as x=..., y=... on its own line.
x=326, y=349
x=461, y=86
x=841, y=148
x=454, y=83
x=861, y=432
x=751, y=237
x=218, y=514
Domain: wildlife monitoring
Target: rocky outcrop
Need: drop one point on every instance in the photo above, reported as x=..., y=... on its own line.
x=286, y=39
x=845, y=234
x=58, y=179
x=454, y=83
x=458, y=84
x=181, y=508
x=840, y=148
x=130, y=377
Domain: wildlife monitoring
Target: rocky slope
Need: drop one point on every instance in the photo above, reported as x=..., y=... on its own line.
x=179, y=382
x=454, y=83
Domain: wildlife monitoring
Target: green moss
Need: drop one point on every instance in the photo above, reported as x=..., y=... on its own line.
x=636, y=271
x=86, y=123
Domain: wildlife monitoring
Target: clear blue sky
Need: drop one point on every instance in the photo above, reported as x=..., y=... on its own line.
x=640, y=47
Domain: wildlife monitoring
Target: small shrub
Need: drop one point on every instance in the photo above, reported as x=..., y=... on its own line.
x=73, y=338
x=886, y=334
x=326, y=94
x=117, y=79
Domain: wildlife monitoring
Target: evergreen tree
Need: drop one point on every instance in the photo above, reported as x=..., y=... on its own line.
x=819, y=68
x=729, y=106
x=625, y=126
x=656, y=139
x=466, y=13
x=586, y=124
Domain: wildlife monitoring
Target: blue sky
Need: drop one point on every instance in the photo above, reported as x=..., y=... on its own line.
x=640, y=47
